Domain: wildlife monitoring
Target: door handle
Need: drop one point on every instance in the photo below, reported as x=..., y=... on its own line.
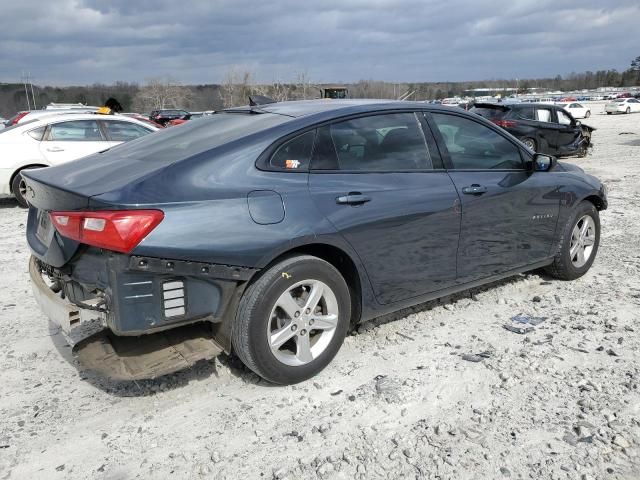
x=474, y=189
x=55, y=149
x=353, y=198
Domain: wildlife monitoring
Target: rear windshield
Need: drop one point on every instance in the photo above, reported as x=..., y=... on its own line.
x=490, y=113
x=196, y=136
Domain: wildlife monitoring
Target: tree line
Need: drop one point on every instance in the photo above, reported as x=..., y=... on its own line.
x=238, y=84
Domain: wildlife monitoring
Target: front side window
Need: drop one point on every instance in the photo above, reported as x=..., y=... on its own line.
x=473, y=146
x=563, y=118
x=125, y=131
x=294, y=154
x=75, y=131
x=377, y=143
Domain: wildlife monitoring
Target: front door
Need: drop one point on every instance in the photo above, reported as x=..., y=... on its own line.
x=509, y=214
x=374, y=179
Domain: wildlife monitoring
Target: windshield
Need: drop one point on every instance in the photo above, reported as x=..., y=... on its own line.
x=196, y=136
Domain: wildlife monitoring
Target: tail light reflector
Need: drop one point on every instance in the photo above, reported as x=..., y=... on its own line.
x=117, y=230
x=505, y=123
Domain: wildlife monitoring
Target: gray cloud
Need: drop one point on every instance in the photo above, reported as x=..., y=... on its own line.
x=198, y=41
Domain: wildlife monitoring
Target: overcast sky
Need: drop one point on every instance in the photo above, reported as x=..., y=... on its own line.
x=68, y=42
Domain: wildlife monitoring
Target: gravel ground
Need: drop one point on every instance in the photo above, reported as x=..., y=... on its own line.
x=408, y=396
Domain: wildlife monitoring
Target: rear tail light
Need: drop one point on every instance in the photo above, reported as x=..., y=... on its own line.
x=505, y=123
x=17, y=118
x=117, y=230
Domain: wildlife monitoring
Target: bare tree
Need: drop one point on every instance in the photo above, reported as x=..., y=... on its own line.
x=236, y=87
x=162, y=93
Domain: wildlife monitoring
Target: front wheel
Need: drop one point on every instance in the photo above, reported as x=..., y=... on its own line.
x=628, y=110
x=292, y=321
x=588, y=114
x=578, y=245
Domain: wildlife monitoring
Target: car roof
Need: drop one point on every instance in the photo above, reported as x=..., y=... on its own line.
x=303, y=108
x=61, y=117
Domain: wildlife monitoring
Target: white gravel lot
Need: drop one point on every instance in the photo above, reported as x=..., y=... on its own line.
x=399, y=401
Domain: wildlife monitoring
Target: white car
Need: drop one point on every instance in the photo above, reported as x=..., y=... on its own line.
x=27, y=115
x=56, y=139
x=577, y=110
x=622, y=105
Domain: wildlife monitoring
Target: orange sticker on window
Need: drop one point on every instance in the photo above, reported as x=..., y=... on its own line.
x=292, y=163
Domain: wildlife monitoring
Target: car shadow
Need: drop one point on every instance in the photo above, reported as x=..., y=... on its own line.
x=447, y=300
x=220, y=366
x=9, y=202
x=229, y=365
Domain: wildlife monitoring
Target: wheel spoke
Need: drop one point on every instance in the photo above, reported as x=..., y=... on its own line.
x=280, y=337
x=585, y=228
x=287, y=303
x=314, y=297
x=325, y=322
x=574, y=250
x=588, y=241
x=580, y=259
x=303, y=349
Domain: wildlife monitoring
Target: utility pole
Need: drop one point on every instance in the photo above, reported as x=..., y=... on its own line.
x=33, y=97
x=26, y=91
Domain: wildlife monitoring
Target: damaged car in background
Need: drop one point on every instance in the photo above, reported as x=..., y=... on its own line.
x=269, y=231
x=547, y=129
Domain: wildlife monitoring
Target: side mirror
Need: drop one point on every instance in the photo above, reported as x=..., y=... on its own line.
x=543, y=163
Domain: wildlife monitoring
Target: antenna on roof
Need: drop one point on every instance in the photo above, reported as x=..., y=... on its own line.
x=255, y=100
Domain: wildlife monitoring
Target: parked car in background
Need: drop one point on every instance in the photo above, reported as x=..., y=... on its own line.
x=541, y=127
x=279, y=228
x=142, y=118
x=2, y=120
x=58, y=138
x=166, y=115
x=577, y=110
x=622, y=105
x=27, y=115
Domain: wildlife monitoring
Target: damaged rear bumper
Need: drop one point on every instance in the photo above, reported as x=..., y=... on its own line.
x=150, y=346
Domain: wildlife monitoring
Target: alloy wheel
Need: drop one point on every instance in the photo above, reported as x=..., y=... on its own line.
x=583, y=239
x=302, y=322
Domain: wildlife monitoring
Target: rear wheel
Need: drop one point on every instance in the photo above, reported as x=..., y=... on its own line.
x=292, y=321
x=609, y=113
x=628, y=110
x=579, y=243
x=19, y=188
x=588, y=114
x=530, y=143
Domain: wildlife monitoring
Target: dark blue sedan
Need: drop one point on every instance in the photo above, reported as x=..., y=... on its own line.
x=280, y=226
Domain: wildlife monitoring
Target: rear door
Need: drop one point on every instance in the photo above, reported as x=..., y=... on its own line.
x=547, y=128
x=379, y=181
x=66, y=141
x=508, y=213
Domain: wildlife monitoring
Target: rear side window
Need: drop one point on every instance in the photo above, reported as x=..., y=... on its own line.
x=124, y=131
x=377, y=143
x=473, y=146
x=294, y=154
x=76, y=131
x=526, y=113
x=37, y=133
x=543, y=115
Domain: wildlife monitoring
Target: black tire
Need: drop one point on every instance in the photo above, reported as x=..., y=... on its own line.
x=609, y=113
x=588, y=114
x=249, y=332
x=628, y=110
x=530, y=143
x=562, y=266
x=17, y=188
